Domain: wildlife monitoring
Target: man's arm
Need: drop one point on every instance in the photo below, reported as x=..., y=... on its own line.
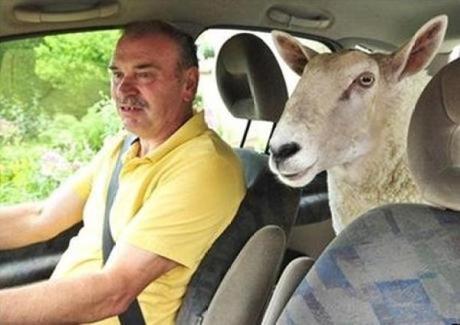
x=86, y=298
x=30, y=223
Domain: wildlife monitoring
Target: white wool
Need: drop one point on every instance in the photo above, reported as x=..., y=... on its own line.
x=382, y=176
x=349, y=115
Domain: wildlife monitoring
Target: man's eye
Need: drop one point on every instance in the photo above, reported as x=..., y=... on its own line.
x=145, y=76
x=117, y=75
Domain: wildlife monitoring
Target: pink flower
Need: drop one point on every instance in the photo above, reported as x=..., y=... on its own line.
x=54, y=164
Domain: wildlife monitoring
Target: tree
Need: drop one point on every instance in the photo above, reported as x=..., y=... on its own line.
x=61, y=73
x=76, y=67
x=72, y=59
x=18, y=81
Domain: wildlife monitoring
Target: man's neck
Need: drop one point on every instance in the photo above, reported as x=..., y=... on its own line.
x=148, y=145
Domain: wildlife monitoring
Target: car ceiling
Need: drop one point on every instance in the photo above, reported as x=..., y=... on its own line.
x=377, y=23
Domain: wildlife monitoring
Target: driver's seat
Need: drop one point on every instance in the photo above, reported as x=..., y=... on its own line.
x=235, y=279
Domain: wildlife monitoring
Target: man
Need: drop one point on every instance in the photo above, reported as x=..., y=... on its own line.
x=179, y=188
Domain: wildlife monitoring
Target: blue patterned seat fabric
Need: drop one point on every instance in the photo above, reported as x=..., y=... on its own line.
x=397, y=264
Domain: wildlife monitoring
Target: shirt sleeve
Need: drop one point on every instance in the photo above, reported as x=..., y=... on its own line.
x=81, y=181
x=188, y=210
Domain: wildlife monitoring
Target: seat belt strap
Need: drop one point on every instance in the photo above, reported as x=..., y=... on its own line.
x=133, y=315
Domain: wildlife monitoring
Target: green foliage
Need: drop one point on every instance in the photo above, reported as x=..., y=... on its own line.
x=100, y=121
x=54, y=110
x=198, y=103
x=20, y=176
x=206, y=50
x=27, y=119
x=69, y=60
x=22, y=44
x=17, y=78
x=46, y=150
x=61, y=72
x=75, y=65
x=80, y=139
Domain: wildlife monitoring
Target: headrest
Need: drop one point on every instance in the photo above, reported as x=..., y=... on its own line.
x=434, y=139
x=250, y=80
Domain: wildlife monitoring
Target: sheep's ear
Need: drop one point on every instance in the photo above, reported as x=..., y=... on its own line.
x=292, y=51
x=420, y=50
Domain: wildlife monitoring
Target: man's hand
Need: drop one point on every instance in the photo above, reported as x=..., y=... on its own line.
x=86, y=298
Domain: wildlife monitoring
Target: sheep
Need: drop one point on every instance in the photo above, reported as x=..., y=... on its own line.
x=349, y=114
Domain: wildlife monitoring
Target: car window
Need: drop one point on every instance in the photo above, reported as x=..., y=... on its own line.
x=455, y=54
x=218, y=117
x=55, y=109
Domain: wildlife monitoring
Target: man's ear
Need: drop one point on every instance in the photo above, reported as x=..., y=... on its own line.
x=292, y=51
x=192, y=75
x=418, y=53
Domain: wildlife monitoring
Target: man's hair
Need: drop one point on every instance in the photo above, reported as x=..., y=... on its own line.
x=184, y=41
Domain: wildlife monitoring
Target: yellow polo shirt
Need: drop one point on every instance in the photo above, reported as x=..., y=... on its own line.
x=173, y=202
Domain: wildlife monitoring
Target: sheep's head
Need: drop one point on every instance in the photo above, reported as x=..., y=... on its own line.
x=332, y=117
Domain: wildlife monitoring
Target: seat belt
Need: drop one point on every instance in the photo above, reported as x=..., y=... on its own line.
x=133, y=315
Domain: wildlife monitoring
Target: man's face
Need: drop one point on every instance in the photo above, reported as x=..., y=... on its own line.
x=152, y=92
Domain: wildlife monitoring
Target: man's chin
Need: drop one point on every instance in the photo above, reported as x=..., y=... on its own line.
x=128, y=121
x=130, y=127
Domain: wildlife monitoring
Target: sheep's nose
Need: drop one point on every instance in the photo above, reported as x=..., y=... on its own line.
x=284, y=151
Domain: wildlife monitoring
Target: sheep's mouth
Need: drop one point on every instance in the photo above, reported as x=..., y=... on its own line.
x=300, y=178
x=295, y=176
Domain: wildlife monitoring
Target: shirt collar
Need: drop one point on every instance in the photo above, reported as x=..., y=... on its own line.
x=195, y=126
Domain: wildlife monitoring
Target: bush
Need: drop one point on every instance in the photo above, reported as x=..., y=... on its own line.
x=40, y=79
x=79, y=140
x=32, y=166
x=100, y=121
x=20, y=176
x=25, y=120
x=208, y=52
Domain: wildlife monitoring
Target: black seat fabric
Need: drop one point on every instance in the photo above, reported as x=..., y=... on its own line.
x=34, y=262
x=398, y=264
x=267, y=202
x=314, y=201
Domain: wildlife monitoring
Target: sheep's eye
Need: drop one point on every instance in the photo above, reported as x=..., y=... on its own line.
x=366, y=79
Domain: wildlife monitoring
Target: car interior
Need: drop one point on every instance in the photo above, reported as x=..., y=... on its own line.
x=279, y=261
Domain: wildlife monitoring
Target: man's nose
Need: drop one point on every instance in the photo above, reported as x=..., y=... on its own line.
x=126, y=87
